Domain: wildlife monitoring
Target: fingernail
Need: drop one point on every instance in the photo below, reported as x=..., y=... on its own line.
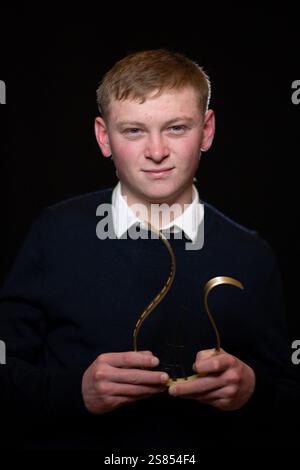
x=164, y=377
x=172, y=390
x=154, y=361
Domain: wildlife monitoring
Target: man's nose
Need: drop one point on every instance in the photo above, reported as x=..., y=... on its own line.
x=156, y=148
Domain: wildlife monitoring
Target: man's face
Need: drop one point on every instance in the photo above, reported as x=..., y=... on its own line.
x=156, y=145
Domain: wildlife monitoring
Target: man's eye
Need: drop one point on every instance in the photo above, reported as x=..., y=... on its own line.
x=178, y=129
x=132, y=131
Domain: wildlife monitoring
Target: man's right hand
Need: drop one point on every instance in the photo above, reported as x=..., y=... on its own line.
x=115, y=379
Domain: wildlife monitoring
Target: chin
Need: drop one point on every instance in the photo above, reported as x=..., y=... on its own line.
x=159, y=196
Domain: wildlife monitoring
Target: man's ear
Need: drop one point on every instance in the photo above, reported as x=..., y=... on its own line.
x=209, y=126
x=102, y=136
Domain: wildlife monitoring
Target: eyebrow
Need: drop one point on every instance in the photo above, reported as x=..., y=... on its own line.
x=186, y=119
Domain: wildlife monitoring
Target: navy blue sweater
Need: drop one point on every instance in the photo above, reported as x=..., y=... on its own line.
x=71, y=297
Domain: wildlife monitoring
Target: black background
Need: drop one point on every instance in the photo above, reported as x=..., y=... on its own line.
x=52, y=62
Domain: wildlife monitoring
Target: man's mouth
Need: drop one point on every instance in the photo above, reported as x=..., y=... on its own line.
x=158, y=173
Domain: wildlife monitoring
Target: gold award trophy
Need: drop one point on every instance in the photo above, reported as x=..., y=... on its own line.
x=209, y=286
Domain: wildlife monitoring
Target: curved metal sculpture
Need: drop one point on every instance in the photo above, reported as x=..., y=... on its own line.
x=209, y=286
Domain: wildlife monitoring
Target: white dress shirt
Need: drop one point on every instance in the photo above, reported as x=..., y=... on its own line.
x=188, y=221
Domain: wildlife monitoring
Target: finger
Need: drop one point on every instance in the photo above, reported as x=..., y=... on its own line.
x=129, y=359
x=215, y=364
x=136, y=376
x=220, y=403
x=122, y=400
x=128, y=390
x=227, y=392
x=197, y=387
x=207, y=353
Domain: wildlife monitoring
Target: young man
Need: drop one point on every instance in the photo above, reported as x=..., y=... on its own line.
x=72, y=303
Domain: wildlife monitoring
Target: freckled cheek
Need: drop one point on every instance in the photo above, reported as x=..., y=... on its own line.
x=125, y=158
x=187, y=158
x=125, y=150
x=186, y=149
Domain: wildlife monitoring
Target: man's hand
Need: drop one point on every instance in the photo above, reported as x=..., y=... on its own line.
x=227, y=383
x=114, y=379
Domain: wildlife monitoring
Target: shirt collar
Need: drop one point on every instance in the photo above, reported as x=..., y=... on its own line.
x=188, y=221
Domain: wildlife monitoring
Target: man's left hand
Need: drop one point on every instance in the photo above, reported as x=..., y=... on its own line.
x=225, y=381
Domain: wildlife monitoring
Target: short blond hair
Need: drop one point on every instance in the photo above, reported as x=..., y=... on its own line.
x=141, y=73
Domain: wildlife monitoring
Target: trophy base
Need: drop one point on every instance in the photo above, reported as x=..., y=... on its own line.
x=184, y=379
